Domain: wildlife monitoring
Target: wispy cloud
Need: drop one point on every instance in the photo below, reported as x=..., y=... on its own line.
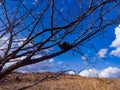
x=51, y=60
x=41, y=66
x=84, y=57
x=38, y=67
x=116, y=43
x=102, y=53
x=3, y=44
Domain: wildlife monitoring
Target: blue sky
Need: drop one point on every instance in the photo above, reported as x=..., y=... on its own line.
x=107, y=66
x=107, y=46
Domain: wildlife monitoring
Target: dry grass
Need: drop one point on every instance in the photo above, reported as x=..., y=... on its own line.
x=63, y=82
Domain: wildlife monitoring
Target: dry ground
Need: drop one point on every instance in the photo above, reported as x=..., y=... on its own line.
x=63, y=82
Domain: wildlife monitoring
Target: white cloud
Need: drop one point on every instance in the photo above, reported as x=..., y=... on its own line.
x=20, y=41
x=4, y=41
x=36, y=56
x=102, y=53
x=84, y=57
x=41, y=66
x=60, y=63
x=51, y=60
x=3, y=44
x=38, y=67
x=116, y=43
x=13, y=61
x=71, y=72
x=115, y=52
x=89, y=73
x=110, y=72
x=37, y=1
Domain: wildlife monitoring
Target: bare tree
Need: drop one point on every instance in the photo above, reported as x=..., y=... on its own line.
x=30, y=30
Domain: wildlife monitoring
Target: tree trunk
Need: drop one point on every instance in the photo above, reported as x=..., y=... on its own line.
x=11, y=68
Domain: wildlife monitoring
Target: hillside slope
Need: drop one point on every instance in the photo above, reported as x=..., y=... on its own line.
x=63, y=82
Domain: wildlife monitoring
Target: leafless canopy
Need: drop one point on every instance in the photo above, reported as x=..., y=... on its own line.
x=29, y=32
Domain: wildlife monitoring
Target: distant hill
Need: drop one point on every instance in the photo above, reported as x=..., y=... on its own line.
x=61, y=82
